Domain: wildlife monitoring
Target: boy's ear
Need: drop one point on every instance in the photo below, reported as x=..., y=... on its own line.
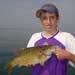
x=58, y=17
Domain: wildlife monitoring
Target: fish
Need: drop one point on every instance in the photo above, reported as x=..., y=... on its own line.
x=31, y=56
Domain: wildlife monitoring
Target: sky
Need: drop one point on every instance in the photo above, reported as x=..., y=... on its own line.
x=18, y=21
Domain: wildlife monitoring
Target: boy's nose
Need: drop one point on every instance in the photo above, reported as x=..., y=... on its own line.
x=48, y=20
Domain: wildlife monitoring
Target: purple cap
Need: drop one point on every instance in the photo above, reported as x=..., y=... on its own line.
x=49, y=8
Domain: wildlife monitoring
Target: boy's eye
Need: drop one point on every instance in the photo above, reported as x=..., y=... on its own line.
x=43, y=18
x=52, y=17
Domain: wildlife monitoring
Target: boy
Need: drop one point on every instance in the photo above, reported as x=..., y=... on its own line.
x=57, y=64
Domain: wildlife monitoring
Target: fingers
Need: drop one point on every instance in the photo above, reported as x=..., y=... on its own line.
x=58, y=56
x=53, y=50
x=57, y=52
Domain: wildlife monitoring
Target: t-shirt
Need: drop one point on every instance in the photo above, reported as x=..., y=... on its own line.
x=52, y=66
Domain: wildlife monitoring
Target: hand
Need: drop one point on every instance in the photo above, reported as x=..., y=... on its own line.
x=61, y=53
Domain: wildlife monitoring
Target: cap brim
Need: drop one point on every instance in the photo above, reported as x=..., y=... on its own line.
x=38, y=13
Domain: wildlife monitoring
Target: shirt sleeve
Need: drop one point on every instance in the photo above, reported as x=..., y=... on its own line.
x=70, y=43
x=34, y=38
x=31, y=42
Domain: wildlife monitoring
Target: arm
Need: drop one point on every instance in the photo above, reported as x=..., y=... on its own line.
x=72, y=58
x=64, y=54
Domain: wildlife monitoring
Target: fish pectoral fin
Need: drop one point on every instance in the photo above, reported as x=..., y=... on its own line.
x=20, y=65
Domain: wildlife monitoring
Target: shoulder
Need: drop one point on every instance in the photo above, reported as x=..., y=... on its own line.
x=36, y=35
x=68, y=36
x=64, y=35
x=33, y=39
x=65, y=38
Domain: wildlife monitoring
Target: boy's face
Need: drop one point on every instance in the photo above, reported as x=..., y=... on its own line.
x=49, y=21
